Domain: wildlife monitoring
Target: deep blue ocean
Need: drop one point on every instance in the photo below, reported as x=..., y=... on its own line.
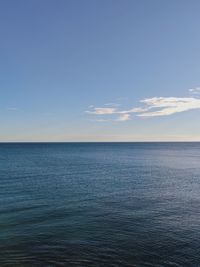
x=100, y=204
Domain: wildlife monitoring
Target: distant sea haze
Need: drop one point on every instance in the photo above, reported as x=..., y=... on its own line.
x=100, y=204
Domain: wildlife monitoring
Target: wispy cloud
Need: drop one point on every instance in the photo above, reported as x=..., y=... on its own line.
x=102, y=120
x=164, y=106
x=112, y=104
x=12, y=108
x=110, y=111
x=102, y=111
x=123, y=117
x=151, y=107
x=195, y=91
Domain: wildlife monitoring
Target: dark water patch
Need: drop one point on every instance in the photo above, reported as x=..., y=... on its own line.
x=109, y=204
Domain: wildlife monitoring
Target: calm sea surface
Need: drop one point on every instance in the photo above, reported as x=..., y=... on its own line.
x=100, y=204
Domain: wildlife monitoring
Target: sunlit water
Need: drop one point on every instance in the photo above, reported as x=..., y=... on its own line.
x=106, y=204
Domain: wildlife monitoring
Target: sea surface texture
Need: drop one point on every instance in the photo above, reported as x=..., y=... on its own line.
x=100, y=204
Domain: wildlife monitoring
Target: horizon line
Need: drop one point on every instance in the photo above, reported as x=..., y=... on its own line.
x=68, y=142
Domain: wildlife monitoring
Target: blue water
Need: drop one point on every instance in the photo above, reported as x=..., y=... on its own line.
x=100, y=204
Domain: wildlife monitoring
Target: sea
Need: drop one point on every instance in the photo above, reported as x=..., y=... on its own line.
x=100, y=204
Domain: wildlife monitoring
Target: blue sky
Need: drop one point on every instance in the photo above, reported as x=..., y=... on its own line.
x=99, y=70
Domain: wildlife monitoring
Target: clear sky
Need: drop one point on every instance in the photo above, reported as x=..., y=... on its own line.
x=99, y=70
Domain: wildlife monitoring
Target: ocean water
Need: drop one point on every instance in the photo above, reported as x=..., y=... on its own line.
x=100, y=204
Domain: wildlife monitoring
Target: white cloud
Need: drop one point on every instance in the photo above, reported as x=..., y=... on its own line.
x=102, y=111
x=110, y=111
x=132, y=110
x=152, y=107
x=123, y=117
x=164, y=106
x=195, y=90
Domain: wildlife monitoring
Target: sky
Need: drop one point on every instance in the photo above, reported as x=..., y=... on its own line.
x=99, y=70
